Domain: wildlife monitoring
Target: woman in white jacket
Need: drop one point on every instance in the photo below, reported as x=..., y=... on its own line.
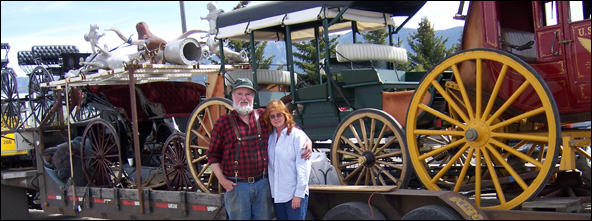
x=288, y=172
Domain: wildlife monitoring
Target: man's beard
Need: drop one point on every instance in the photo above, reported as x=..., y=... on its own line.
x=242, y=110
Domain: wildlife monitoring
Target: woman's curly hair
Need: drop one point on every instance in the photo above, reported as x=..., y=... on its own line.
x=278, y=105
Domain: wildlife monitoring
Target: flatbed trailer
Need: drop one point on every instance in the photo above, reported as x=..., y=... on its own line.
x=325, y=202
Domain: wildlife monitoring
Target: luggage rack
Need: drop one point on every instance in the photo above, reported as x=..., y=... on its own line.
x=143, y=73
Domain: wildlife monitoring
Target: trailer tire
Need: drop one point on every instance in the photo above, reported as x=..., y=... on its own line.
x=432, y=212
x=354, y=211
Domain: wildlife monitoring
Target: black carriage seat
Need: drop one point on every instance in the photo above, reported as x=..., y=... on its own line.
x=25, y=58
x=51, y=56
x=26, y=61
x=519, y=43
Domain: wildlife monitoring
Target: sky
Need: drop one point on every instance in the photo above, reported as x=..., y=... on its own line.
x=28, y=23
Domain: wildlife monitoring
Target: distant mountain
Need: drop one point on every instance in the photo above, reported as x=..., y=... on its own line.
x=23, y=84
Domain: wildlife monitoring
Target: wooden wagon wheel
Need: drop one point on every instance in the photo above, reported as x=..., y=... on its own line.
x=101, y=155
x=10, y=100
x=480, y=151
x=369, y=149
x=41, y=99
x=198, y=140
x=174, y=163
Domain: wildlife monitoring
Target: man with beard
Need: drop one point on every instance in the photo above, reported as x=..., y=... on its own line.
x=238, y=156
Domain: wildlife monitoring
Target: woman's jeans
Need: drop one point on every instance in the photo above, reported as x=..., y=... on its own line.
x=284, y=211
x=249, y=201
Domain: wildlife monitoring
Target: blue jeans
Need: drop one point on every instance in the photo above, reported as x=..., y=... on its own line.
x=249, y=201
x=284, y=211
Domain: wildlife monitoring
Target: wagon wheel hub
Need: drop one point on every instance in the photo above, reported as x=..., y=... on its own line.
x=477, y=134
x=178, y=166
x=367, y=159
x=471, y=134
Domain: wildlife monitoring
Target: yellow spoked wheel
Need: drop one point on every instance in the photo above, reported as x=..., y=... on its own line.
x=197, y=142
x=475, y=153
x=369, y=149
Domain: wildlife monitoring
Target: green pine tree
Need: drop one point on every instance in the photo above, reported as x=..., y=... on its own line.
x=262, y=62
x=456, y=46
x=376, y=37
x=429, y=49
x=305, y=57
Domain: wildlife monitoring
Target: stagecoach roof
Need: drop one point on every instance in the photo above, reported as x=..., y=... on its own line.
x=267, y=21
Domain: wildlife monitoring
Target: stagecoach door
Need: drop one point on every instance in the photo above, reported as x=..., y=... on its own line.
x=576, y=22
x=548, y=32
x=562, y=32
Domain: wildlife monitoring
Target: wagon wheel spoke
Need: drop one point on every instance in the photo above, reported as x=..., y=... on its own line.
x=483, y=150
x=197, y=142
x=100, y=153
x=369, y=150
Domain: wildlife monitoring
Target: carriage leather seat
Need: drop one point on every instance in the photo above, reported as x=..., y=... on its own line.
x=520, y=43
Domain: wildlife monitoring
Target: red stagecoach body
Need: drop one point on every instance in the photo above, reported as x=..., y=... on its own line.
x=559, y=51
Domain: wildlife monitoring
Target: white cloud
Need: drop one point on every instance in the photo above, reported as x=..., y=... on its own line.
x=439, y=13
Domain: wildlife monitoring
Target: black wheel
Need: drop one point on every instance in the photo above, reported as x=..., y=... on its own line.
x=174, y=163
x=354, y=211
x=369, y=149
x=41, y=99
x=10, y=100
x=101, y=155
x=432, y=212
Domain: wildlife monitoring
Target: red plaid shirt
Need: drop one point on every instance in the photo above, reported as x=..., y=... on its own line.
x=252, y=157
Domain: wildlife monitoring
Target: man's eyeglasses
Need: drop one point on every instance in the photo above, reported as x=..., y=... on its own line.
x=278, y=115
